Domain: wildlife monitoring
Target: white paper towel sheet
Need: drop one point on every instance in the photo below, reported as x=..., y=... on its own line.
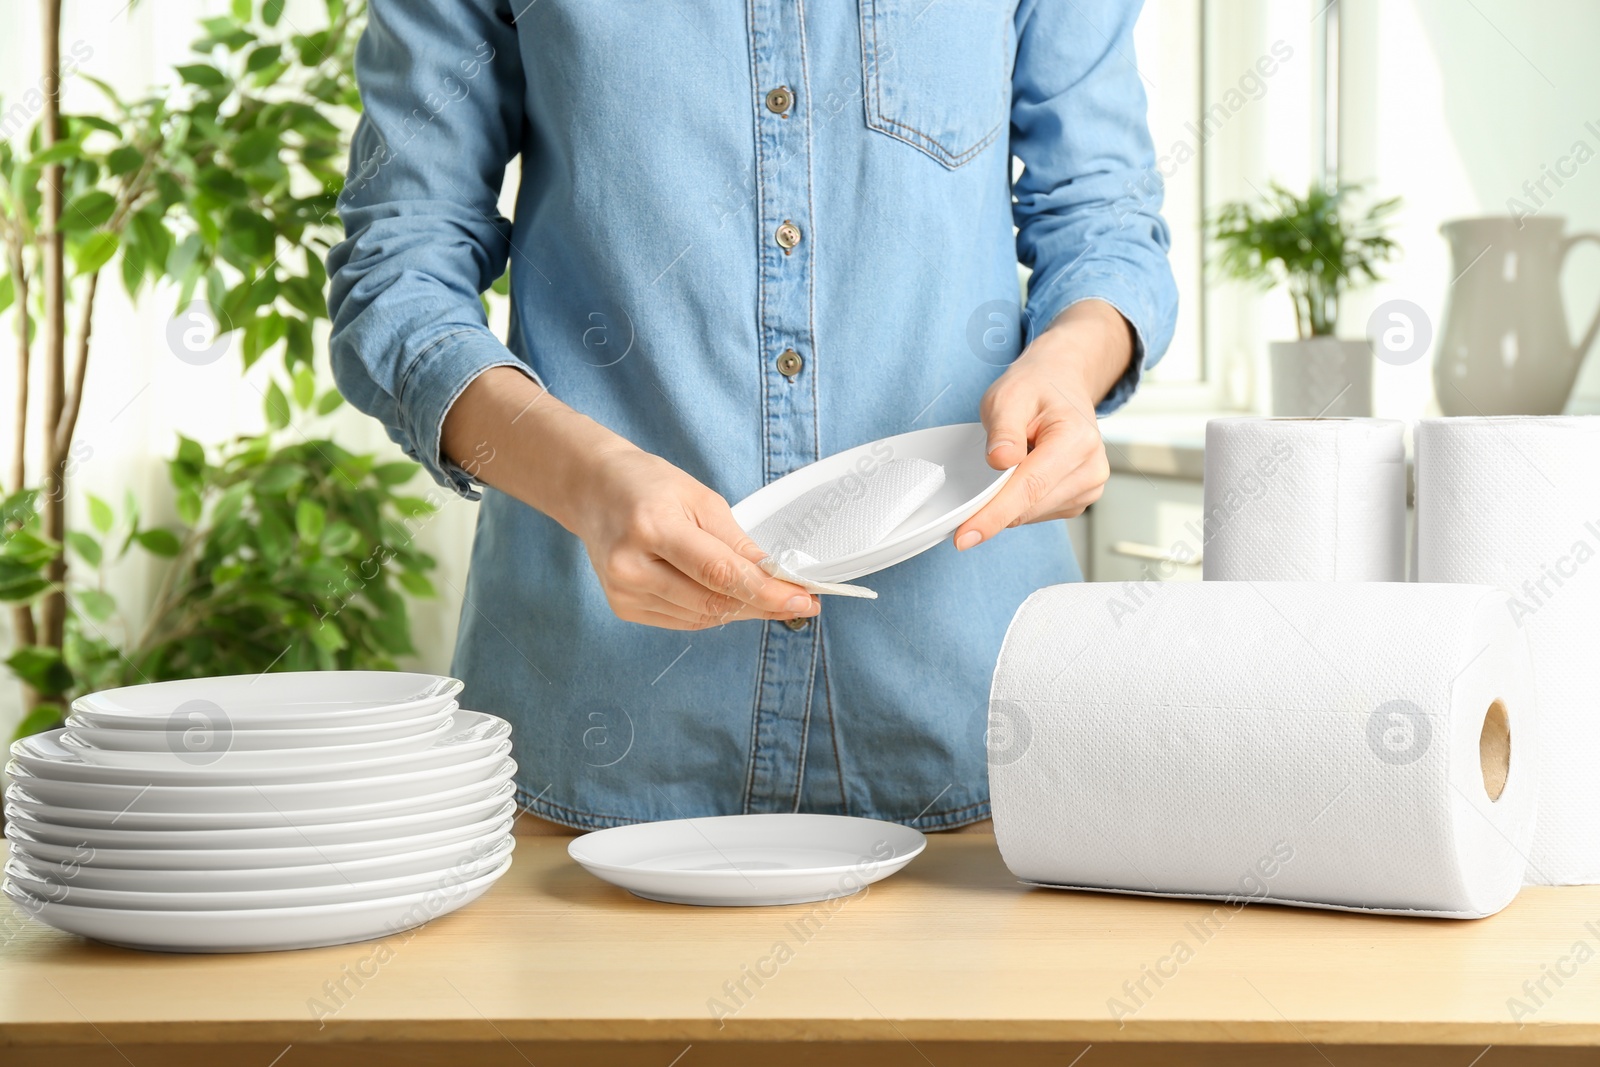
x=850, y=514
x=1305, y=500
x=1515, y=502
x=1300, y=743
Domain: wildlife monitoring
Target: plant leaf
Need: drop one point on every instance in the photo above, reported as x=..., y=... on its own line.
x=96, y=251
x=85, y=546
x=41, y=667
x=159, y=542
x=95, y=604
x=100, y=514
x=87, y=211
x=43, y=717
x=309, y=520
x=202, y=74
x=277, y=407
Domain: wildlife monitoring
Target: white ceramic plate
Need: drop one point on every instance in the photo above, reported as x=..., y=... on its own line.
x=161, y=880
x=295, y=700
x=969, y=483
x=144, y=739
x=230, y=757
x=254, y=930
x=24, y=803
x=38, y=882
x=471, y=734
x=197, y=859
x=268, y=799
x=748, y=860
x=330, y=833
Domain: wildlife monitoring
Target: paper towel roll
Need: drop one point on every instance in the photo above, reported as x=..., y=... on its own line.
x=1515, y=502
x=1354, y=746
x=1305, y=500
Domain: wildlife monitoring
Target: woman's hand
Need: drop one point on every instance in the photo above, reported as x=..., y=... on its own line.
x=1040, y=418
x=665, y=547
x=668, y=552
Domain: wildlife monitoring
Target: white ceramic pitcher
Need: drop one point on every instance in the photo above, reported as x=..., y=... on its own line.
x=1505, y=349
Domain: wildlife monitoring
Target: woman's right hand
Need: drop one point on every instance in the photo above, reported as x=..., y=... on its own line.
x=668, y=552
x=665, y=547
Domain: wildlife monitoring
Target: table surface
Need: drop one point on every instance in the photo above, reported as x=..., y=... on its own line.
x=951, y=949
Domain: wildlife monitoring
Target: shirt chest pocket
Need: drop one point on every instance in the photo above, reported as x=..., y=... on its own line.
x=937, y=73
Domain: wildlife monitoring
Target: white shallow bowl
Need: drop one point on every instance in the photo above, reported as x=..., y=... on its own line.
x=220, y=753
x=295, y=700
x=266, y=799
x=124, y=739
x=470, y=734
x=331, y=833
x=163, y=880
x=748, y=860
x=969, y=483
x=197, y=859
x=254, y=930
x=21, y=801
x=38, y=882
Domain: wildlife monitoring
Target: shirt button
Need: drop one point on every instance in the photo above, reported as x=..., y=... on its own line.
x=779, y=101
x=796, y=624
x=788, y=236
x=790, y=363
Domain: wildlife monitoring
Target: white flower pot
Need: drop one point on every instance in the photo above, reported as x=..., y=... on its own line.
x=1321, y=377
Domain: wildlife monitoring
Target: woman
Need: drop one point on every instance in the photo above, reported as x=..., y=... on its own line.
x=747, y=236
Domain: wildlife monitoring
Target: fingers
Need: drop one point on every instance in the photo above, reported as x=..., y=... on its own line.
x=687, y=618
x=715, y=565
x=665, y=583
x=1008, y=415
x=1058, y=478
x=716, y=518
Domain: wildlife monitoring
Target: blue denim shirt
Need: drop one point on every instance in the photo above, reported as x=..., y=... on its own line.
x=649, y=289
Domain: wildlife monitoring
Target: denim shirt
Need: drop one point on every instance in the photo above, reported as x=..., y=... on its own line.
x=707, y=187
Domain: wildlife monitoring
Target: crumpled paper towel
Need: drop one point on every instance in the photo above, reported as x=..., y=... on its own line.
x=1305, y=500
x=1324, y=744
x=840, y=518
x=1515, y=502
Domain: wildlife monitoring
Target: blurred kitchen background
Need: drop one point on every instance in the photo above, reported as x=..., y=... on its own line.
x=1461, y=109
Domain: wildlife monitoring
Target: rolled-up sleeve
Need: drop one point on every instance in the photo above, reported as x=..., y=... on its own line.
x=442, y=90
x=1087, y=205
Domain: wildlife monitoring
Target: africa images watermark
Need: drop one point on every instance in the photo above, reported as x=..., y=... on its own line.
x=740, y=990
x=1253, y=885
x=1228, y=506
x=1541, y=190
x=1538, y=992
x=338, y=991
x=1535, y=593
x=1250, y=86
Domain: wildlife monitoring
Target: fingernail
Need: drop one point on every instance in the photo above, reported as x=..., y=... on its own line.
x=967, y=540
x=798, y=604
x=996, y=446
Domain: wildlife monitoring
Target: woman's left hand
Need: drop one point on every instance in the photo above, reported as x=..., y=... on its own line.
x=1040, y=418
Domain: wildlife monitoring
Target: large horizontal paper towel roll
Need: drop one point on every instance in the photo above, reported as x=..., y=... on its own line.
x=1515, y=502
x=1363, y=746
x=1305, y=500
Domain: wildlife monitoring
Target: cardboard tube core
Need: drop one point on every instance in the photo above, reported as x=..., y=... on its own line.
x=1494, y=749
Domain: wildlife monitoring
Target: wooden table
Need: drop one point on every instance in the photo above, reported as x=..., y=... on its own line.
x=949, y=963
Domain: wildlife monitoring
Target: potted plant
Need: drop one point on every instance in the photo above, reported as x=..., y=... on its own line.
x=289, y=552
x=1321, y=248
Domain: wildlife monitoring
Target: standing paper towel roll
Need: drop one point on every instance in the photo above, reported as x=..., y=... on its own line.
x=1515, y=502
x=1355, y=746
x=1305, y=500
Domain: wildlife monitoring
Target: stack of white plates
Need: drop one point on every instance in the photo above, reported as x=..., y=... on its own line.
x=260, y=812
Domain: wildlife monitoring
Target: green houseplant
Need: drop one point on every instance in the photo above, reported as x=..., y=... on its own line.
x=291, y=552
x=1319, y=247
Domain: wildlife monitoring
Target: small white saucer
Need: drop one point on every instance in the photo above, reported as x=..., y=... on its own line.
x=748, y=860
